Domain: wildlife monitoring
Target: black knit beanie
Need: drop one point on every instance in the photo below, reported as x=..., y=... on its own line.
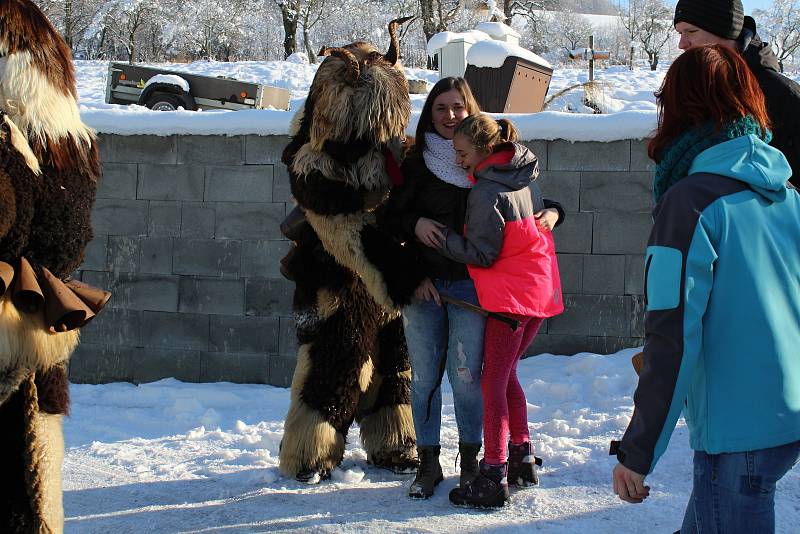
x=723, y=18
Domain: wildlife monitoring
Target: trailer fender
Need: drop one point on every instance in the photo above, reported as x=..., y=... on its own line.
x=165, y=96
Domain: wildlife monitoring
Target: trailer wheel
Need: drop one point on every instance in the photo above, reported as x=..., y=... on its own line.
x=164, y=102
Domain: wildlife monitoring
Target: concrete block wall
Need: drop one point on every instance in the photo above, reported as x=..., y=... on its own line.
x=187, y=239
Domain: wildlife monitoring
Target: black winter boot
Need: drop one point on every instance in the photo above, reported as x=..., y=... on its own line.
x=469, y=462
x=522, y=465
x=429, y=472
x=489, y=490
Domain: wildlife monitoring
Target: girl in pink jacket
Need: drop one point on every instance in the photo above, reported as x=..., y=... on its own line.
x=509, y=250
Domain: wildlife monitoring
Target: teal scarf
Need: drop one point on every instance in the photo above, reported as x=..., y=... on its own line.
x=679, y=155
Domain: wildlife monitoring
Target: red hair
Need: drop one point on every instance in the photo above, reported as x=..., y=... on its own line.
x=706, y=84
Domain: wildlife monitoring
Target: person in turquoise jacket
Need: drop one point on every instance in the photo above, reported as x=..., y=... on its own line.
x=722, y=286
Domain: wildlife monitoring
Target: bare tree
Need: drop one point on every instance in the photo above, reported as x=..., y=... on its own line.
x=648, y=22
x=780, y=22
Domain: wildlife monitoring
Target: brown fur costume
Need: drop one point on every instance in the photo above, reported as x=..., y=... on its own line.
x=350, y=279
x=48, y=174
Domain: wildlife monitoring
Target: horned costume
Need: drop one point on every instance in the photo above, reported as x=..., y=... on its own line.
x=352, y=361
x=49, y=168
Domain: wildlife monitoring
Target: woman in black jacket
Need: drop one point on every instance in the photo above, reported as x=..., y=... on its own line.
x=441, y=335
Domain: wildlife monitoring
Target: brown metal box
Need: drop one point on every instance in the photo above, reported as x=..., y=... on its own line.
x=518, y=86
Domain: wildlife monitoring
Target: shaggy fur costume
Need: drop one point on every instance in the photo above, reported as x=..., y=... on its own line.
x=350, y=279
x=49, y=168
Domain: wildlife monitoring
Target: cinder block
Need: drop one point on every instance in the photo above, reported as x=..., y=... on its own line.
x=120, y=217
x=268, y=296
x=589, y=156
x=281, y=370
x=617, y=191
x=206, y=256
x=264, y=148
x=123, y=254
x=603, y=275
x=137, y=291
x=198, y=220
x=114, y=327
x=92, y=363
x=540, y=149
x=610, y=344
x=621, y=233
x=281, y=187
x=244, y=334
x=262, y=258
x=237, y=368
x=175, y=330
x=144, y=149
x=288, y=338
x=574, y=235
x=95, y=256
x=105, y=148
x=638, y=311
x=171, y=182
x=640, y=161
x=593, y=315
x=165, y=218
x=155, y=364
x=240, y=220
x=250, y=183
x=211, y=149
x=562, y=186
x=156, y=255
x=570, y=267
x=634, y=274
x=211, y=295
x=118, y=181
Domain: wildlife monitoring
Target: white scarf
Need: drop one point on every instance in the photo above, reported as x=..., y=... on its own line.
x=440, y=159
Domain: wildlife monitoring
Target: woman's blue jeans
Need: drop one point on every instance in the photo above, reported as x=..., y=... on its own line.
x=448, y=331
x=735, y=492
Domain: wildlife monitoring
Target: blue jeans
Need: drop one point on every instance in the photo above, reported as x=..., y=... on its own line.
x=434, y=332
x=735, y=492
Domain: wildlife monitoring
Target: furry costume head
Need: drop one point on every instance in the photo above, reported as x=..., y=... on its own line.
x=357, y=103
x=37, y=89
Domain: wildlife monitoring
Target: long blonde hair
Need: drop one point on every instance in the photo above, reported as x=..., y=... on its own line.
x=486, y=133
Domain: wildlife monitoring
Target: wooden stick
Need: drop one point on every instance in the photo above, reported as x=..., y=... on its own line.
x=510, y=321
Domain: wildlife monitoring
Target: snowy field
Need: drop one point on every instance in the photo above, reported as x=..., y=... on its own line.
x=176, y=457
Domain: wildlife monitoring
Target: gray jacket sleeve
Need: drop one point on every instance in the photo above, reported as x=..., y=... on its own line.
x=484, y=235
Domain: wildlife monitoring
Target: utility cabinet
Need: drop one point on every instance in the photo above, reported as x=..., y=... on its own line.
x=518, y=86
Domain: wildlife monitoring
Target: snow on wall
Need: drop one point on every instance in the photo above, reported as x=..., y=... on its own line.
x=494, y=53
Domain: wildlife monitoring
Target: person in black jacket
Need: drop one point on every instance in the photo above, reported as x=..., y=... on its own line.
x=441, y=335
x=704, y=22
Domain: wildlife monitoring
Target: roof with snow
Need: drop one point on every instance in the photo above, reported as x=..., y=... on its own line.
x=497, y=29
x=442, y=39
x=494, y=53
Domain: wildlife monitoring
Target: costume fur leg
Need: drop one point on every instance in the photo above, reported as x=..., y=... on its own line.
x=33, y=395
x=336, y=336
x=387, y=427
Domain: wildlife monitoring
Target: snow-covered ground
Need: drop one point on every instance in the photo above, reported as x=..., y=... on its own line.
x=177, y=457
x=618, y=90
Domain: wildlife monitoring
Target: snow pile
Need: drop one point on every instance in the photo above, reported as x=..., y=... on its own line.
x=169, y=79
x=171, y=456
x=300, y=58
x=497, y=30
x=442, y=39
x=494, y=53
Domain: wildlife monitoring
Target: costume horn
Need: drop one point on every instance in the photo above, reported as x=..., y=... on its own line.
x=394, y=44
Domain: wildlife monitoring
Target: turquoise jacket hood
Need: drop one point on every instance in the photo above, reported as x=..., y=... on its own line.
x=750, y=160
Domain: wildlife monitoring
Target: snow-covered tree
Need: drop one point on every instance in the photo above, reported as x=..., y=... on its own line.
x=648, y=22
x=780, y=25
